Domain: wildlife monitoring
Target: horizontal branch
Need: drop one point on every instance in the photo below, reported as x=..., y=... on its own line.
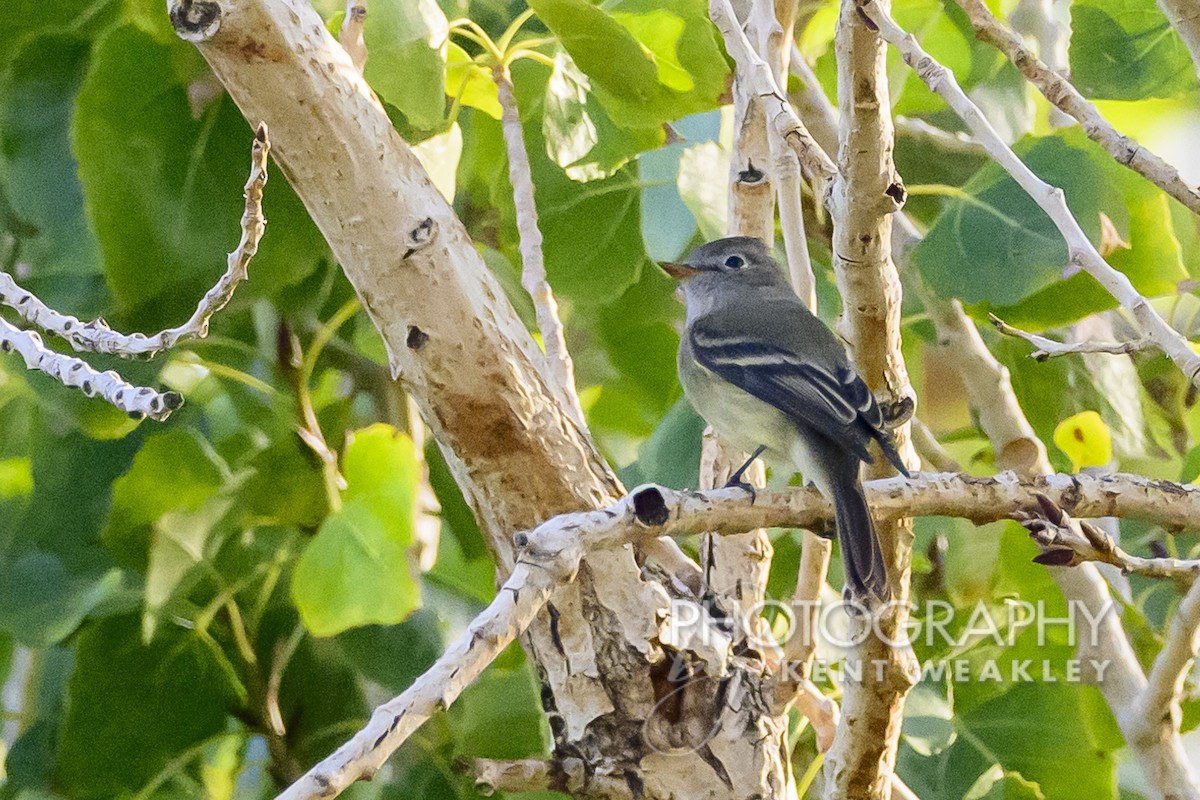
x=1051, y=199
x=136, y=401
x=1059, y=91
x=1048, y=348
x=550, y=555
x=97, y=337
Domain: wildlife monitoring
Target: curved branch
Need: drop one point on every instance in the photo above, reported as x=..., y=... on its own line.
x=1059, y=91
x=97, y=337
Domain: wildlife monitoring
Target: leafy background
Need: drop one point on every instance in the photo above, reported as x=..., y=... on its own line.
x=196, y=609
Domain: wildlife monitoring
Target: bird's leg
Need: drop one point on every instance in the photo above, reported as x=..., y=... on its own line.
x=735, y=480
x=827, y=531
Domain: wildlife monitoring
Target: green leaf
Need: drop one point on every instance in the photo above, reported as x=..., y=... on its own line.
x=358, y=569
x=133, y=708
x=42, y=603
x=671, y=456
x=592, y=233
x=1127, y=50
x=16, y=477
x=144, y=493
x=500, y=716
x=179, y=545
x=23, y=18
x=287, y=486
x=395, y=655
x=928, y=720
x=163, y=184
x=55, y=570
x=1015, y=727
x=406, y=66
x=996, y=784
x=471, y=83
x=648, y=62
x=996, y=245
x=36, y=162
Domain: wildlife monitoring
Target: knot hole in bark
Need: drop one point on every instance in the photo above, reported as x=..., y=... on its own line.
x=650, y=507
x=195, y=20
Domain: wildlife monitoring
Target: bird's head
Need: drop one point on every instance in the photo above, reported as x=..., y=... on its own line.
x=736, y=260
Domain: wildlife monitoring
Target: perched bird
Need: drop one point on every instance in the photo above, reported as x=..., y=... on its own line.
x=769, y=376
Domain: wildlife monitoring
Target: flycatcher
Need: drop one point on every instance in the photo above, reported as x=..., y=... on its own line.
x=770, y=376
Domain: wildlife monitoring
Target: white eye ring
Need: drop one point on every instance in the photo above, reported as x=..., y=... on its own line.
x=735, y=262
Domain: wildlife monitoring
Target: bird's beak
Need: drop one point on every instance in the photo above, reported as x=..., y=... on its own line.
x=679, y=271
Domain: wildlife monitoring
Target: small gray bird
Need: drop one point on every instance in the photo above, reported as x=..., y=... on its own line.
x=769, y=376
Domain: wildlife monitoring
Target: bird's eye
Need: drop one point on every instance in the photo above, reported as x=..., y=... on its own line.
x=735, y=262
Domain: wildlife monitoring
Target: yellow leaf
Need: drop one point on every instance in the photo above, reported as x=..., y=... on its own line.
x=1085, y=439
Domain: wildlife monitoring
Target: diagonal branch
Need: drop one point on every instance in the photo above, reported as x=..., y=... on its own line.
x=1166, y=681
x=1059, y=91
x=97, y=337
x=1051, y=199
x=533, y=267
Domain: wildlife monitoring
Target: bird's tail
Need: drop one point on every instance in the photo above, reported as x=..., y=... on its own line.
x=866, y=575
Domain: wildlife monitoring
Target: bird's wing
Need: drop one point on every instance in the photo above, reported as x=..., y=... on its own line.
x=828, y=396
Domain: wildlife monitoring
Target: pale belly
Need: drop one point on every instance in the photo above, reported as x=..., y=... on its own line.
x=738, y=417
x=746, y=422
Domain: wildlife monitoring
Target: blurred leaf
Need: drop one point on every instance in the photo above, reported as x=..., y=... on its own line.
x=24, y=18
x=16, y=477
x=1127, y=50
x=928, y=726
x=997, y=245
x=53, y=571
x=406, y=67
x=394, y=655
x=996, y=784
x=648, y=62
x=358, y=569
x=133, y=708
x=1191, y=466
x=42, y=603
x=1056, y=735
x=179, y=545
x=143, y=150
x=1085, y=439
x=174, y=470
x=671, y=456
x=36, y=163
x=470, y=82
x=287, y=486
x=500, y=716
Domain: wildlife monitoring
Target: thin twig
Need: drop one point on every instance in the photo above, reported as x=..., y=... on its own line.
x=97, y=337
x=1048, y=348
x=136, y=401
x=1059, y=91
x=533, y=267
x=1067, y=541
x=1082, y=253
